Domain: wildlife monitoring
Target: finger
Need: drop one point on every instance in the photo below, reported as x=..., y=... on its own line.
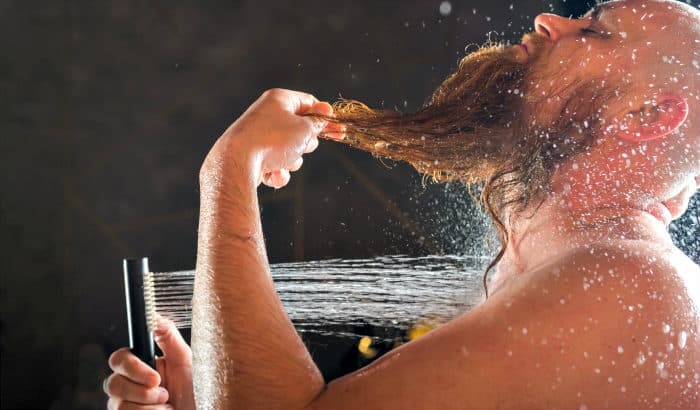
x=120, y=387
x=296, y=165
x=315, y=125
x=311, y=145
x=127, y=364
x=322, y=108
x=161, y=369
x=116, y=404
x=296, y=102
x=171, y=342
x=334, y=131
x=302, y=103
x=277, y=179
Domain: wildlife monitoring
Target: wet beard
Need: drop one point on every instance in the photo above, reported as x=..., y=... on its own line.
x=471, y=120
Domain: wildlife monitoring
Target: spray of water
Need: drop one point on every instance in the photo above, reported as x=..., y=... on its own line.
x=339, y=297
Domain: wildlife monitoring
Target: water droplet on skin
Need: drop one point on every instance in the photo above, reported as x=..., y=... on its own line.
x=682, y=339
x=666, y=328
x=524, y=330
x=620, y=349
x=641, y=359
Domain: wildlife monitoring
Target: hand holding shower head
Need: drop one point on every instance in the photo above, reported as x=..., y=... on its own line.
x=140, y=308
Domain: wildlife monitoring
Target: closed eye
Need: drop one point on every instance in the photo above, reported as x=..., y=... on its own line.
x=589, y=31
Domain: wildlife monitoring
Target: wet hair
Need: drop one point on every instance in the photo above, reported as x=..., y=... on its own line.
x=472, y=130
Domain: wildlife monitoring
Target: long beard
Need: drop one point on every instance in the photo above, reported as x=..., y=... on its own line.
x=473, y=130
x=473, y=117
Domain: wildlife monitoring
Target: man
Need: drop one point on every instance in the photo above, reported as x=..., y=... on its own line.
x=592, y=306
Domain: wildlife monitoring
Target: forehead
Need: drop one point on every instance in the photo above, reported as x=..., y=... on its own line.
x=659, y=19
x=636, y=9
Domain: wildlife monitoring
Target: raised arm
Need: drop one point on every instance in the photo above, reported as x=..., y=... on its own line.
x=613, y=328
x=247, y=354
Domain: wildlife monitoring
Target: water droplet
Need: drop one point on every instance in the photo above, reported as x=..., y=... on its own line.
x=445, y=8
x=641, y=359
x=682, y=339
x=666, y=328
x=620, y=349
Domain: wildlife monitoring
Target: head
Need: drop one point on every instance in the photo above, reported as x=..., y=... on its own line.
x=645, y=151
x=600, y=110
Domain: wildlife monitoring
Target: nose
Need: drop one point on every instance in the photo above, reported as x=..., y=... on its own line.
x=554, y=27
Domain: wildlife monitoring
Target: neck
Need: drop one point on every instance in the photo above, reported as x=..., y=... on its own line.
x=557, y=229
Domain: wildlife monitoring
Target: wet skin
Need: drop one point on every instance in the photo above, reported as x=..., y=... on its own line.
x=593, y=306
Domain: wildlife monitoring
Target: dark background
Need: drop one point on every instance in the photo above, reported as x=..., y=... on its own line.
x=109, y=107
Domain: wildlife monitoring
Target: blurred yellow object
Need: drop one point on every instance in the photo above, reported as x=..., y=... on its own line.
x=419, y=329
x=365, y=348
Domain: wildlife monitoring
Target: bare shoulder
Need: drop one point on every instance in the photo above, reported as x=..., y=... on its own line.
x=664, y=278
x=604, y=327
x=639, y=308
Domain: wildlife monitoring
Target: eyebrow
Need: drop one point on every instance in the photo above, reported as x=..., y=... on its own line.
x=602, y=9
x=596, y=11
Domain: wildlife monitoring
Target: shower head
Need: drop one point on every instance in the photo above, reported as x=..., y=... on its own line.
x=140, y=308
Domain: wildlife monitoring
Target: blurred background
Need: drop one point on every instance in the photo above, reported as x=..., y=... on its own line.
x=109, y=108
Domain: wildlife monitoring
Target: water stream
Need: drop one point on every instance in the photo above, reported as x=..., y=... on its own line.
x=346, y=297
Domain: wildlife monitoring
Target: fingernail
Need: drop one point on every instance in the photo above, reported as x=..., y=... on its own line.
x=162, y=394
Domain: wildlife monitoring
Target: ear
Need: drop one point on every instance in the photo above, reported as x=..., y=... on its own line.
x=656, y=119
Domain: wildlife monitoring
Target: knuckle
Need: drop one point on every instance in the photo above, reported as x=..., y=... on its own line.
x=274, y=93
x=111, y=385
x=115, y=358
x=118, y=356
x=130, y=363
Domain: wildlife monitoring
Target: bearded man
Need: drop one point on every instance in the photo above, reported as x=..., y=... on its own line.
x=586, y=141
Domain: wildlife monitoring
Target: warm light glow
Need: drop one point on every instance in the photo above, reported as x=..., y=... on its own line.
x=365, y=348
x=418, y=330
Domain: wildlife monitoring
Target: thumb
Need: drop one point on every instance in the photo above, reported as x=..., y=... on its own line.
x=322, y=108
x=171, y=342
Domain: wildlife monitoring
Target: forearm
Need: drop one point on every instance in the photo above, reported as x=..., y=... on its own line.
x=247, y=354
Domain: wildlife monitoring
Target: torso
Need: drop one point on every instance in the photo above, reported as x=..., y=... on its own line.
x=636, y=336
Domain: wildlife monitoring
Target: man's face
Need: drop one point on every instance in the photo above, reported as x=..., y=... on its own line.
x=641, y=50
